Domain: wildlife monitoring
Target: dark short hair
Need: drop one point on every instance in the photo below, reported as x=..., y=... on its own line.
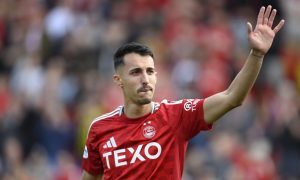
x=132, y=47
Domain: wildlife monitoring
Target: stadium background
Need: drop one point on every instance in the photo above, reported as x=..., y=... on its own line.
x=55, y=77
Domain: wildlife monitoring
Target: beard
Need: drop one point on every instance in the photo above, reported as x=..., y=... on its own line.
x=147, y=97
x=143, y=101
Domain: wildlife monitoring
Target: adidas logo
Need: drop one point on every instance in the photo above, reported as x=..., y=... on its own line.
x=110, y=143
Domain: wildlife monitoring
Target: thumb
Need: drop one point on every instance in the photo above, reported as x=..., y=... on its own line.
x=250, y=29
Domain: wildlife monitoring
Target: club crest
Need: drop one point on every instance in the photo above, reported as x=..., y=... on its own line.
x=149, y=131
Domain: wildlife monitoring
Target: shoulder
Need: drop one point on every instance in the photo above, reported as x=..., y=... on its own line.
x=106, y=118
x=168, y=102
x=181, y=104
x=167, y=105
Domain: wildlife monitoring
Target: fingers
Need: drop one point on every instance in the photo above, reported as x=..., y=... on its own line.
x=272, y=17
x=267, y=14
x=279, y=26
x=260, y=17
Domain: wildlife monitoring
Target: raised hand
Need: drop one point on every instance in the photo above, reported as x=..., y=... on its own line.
x=262, y=37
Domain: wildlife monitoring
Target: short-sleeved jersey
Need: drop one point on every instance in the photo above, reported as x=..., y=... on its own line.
x=150, y=147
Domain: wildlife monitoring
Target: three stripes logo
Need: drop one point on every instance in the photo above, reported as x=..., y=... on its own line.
x=110, y=143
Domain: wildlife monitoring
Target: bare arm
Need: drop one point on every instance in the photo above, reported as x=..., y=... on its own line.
x=88, y=176
x=260, y=41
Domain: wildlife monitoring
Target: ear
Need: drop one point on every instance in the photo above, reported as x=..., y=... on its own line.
x=118, y=80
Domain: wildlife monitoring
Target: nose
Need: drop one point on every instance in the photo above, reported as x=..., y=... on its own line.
x=145, y=78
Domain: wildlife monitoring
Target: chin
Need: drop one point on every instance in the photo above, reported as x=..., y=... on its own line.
x=144, y=101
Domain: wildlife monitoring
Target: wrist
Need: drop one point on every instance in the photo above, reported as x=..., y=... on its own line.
x=257, y=53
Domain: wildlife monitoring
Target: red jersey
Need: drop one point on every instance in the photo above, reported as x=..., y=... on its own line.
x=149, y=147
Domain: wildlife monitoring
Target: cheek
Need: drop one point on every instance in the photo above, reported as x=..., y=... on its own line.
x=153, y=80
x=130, y=86
x=128, y=91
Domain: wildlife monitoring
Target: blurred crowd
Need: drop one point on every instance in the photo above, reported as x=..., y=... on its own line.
x=56, y=77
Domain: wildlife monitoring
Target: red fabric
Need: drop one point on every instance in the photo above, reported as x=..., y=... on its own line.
x=150, y=147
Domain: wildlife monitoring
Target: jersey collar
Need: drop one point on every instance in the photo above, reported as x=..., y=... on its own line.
x=153, y=108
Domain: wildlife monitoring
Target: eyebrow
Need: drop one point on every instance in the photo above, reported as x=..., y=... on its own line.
x=138, y=68
x=150, y=68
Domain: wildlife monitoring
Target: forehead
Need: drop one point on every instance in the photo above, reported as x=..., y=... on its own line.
x=134, y=60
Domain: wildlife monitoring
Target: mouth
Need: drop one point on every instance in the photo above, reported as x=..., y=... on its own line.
x=144, y=89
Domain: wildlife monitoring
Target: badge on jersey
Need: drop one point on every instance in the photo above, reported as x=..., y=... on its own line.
x=191, y=104
x=148, y=130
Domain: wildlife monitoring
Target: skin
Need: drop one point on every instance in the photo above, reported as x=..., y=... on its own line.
x=137, y=77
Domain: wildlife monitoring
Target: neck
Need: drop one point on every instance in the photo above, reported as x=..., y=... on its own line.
x=135, y=111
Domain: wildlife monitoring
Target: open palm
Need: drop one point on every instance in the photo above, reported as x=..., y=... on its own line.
x=262, y=37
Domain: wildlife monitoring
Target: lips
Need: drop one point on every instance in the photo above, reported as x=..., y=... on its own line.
x=144, y=89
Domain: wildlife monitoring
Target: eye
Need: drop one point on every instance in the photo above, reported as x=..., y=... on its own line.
x=134, y=72
x=150, y=71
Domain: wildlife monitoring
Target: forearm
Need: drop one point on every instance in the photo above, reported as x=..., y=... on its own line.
x=245, y=79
